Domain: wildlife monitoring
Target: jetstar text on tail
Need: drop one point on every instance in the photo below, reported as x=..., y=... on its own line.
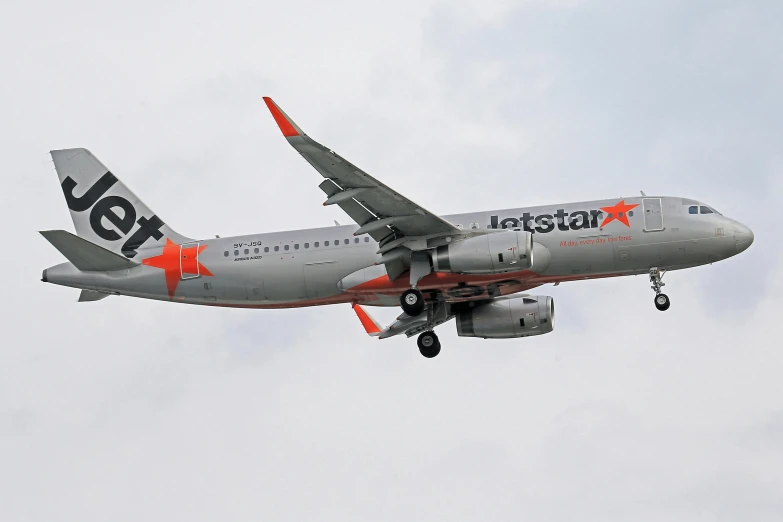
x=104, y=208
x=565, y=221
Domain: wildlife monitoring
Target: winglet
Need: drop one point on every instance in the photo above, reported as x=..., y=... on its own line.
x=289, y=128
x=370, y=326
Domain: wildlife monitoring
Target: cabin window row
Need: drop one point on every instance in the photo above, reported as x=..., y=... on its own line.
x=316, y=244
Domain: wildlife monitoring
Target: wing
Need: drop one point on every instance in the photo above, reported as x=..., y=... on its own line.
x=379, y=211
x=436, y=315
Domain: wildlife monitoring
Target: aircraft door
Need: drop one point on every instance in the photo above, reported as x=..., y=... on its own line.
x=188, y=261
x=653, y=214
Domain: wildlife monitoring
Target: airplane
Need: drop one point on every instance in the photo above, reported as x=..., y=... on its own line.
x=476, y=268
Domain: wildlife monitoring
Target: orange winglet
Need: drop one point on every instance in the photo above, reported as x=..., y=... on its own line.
x=281, y=119
x=370, y=326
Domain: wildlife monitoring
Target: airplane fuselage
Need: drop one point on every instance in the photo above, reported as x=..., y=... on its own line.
x=330, y=265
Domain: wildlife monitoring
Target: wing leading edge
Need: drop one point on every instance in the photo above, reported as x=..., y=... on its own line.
x=379, y=211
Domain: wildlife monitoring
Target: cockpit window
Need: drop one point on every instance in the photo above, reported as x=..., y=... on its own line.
x=706, y=210
x=693, y=210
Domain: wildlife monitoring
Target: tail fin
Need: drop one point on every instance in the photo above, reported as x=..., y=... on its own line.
x=104, y=211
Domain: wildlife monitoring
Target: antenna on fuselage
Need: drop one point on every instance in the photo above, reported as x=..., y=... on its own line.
x=643, y=194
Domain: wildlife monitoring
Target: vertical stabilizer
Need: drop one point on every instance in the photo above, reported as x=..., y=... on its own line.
x=104, y=210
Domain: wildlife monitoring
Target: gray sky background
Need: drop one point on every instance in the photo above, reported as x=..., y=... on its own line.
x=129, y=410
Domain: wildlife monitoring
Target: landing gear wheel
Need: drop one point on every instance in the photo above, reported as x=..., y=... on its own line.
x=412, y=302
x=429, y=345
x=662, y=302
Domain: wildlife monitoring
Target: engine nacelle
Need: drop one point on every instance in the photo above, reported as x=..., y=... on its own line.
x=493, y=253
x=507, y=317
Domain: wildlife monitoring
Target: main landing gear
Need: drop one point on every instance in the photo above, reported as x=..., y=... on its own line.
x=429, y=345
x=662, y=302
x=412, y=302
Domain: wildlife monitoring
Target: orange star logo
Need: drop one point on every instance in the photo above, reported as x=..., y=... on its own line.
x=177, y=262
x=618, y=212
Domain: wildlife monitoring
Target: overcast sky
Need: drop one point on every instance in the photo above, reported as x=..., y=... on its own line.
x=129, y=410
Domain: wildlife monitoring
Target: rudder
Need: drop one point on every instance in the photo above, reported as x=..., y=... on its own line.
x=103, y=209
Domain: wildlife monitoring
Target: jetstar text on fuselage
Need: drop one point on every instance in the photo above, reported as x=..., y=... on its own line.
x=565, y=221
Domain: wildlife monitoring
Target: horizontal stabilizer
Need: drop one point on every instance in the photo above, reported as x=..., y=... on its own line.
x=84, y=255
x=92, y=295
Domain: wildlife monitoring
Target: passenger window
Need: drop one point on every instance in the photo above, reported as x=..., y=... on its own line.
x=315, y=244
x=307, y=245
x=693, y=210
x=337, y=243
x=296, y=246
x=356, y=240
x=366, y=239
x=347, y=241
x=247, y=251
x=236, y=252
x=277, y=249
x=286, y=247
x=266, y=249
x=706, y=210
x=225, y=253
x=326, y=243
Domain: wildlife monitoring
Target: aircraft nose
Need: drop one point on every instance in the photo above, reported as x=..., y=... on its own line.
x=743, y=237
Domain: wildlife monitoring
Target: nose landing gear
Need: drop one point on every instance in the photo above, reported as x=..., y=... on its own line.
x=662, y=302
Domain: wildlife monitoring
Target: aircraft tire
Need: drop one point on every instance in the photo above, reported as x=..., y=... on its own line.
x=662, y=302
x=412, y=302
x=429, y=345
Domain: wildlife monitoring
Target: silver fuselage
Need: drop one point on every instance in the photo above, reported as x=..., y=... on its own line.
x=297, y=268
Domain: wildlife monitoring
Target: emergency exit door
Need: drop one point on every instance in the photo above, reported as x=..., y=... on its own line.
x=188, y=261
x=653, y=214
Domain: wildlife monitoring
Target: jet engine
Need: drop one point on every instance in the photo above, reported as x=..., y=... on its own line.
x=507, y=317
x=493, y=253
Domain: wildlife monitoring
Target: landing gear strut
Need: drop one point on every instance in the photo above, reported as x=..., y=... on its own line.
x=412, y=302
x=662, y=302
x=429, y=345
